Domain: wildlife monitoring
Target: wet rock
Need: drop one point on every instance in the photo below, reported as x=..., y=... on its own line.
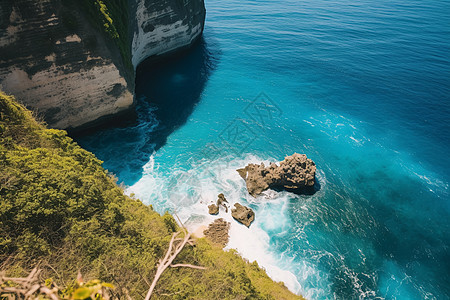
x=213, y=209
x=217, y=232
x=221, y=202
x=243, y=214
x=296, y=173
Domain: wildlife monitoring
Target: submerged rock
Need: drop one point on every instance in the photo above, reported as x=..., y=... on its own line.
x=217, y=232
x=243, y=214
x=296, y=173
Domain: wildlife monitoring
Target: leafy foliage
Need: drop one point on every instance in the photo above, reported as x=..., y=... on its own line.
x=59, y=207
x=31, y=287
x=111, y=16
x=93, y=289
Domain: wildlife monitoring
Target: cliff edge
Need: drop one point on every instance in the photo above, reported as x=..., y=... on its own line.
x=74, y=62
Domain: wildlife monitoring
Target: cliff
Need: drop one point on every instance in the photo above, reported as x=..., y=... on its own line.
x=161, y=27
x=74, y=61
x=59, y=207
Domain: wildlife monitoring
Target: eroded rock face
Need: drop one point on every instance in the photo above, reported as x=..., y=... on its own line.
x=296, y=173
x=162, y=26
x=58, y=64
x=217, y=232
x=221, y=201
x=243, y=214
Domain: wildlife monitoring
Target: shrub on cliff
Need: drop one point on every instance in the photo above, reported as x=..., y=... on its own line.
x=61, y=209
x=110, y=16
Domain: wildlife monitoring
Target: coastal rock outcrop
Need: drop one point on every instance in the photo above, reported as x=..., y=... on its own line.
x=296, y=173
x=243, y=214
x=58, y=58
x=217, y=232
x=58, y=64
x=213, y=209
x=221, y=201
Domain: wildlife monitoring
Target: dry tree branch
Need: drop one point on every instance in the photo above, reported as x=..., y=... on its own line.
x=188, y=266
x=181, y=223
x=175, y=247
x=26, y=287
x=30, y=288
x=145, y=280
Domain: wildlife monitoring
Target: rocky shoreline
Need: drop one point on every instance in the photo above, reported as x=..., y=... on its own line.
x=296, y=174
x=240, y=213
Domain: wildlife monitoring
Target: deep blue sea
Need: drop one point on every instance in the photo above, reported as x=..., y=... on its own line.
x=362, y=88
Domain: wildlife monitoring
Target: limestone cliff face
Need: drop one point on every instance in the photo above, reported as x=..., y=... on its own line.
x=60, y=65
x=53, y=59
x=162, y=26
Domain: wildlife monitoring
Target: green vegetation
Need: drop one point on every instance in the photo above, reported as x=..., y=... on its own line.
x=32, y=287
x=61, y=209
x=111, y=16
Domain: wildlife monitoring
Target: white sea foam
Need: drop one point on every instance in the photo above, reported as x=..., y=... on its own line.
x=187, y=193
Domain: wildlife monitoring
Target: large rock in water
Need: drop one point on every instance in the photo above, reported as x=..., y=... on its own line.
x=213, y=209
x=296, y=173
x=243, y=214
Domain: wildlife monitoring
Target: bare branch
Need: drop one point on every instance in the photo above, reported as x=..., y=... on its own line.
x=181, y=223
x=32, y=290
x=49, y=293
x=175, y=247
x=187, y=266
x=29, y=287
x=146, y=281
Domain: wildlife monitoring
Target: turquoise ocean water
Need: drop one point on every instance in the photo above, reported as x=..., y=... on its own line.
x=362, y=88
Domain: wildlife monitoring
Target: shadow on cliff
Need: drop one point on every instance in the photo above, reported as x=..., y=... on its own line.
x=167, y=92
